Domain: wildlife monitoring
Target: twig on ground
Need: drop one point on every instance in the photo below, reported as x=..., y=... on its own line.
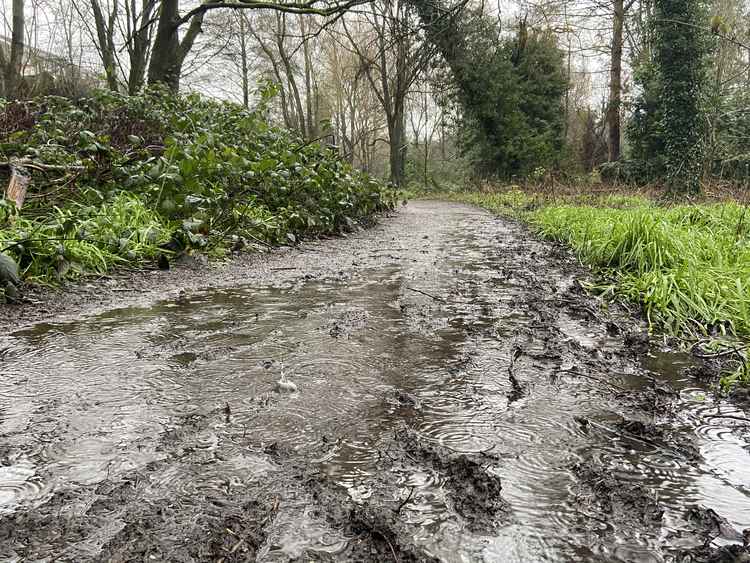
x=592, y=378
x=728, y=352
x=435, y=297
x=393, y=551
x=28, y=163
x=405, y=501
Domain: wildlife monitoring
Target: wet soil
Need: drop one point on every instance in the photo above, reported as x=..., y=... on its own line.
x=459, y=398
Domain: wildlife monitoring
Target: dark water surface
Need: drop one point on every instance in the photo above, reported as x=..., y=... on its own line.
x=92, y=400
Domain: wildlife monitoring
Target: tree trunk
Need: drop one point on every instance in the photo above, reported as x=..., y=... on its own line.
x=312, y=117
x=164, y=68
x=289, y=70
x=244, y=67
x=106, y=42
x=169, y=52
x=15, y=60
x=397, y=145
x=140, y=44
x=615, y=82
x=288, y=121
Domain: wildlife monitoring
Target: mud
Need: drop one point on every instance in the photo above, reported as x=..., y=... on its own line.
x=460, y=398
x=601, y=492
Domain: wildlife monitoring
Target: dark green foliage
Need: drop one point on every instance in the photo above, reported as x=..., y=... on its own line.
x=681, y=56
x=135, y=175
x=731, y=141
x=667, y=126
x=510, y=90
x=647, y=153
x=513, y=104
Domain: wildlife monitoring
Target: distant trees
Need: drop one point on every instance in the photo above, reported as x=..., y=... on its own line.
x=120, y=25
x=546, y=90
x=391, y=59
x=511, y=89
x=171, y=45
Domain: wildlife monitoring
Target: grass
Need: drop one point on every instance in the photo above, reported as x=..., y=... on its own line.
x=688, y=266
x=81, y=239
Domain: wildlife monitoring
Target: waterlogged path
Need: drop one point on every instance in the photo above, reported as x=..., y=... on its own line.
x=459, y=399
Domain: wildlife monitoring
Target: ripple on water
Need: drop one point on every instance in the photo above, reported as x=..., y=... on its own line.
x=296, y=533
x=19, y=483
x=189, y=480
x=459, y=435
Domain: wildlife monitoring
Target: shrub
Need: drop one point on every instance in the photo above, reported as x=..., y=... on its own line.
x=116, y=176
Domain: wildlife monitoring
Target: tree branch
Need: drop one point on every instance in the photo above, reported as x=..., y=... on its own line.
x=289, y=8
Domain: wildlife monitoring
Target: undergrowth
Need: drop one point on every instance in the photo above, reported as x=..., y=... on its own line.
x=688, y=266
x=120, y=180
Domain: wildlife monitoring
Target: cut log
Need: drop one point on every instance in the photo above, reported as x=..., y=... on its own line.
x=17, y=186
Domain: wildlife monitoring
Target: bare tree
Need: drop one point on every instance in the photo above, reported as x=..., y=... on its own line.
x=391, y=62
x=620, y=10
x=105, y=40
x=170, y=48
x=354, y=109
x=12, y=61
x=138, y=34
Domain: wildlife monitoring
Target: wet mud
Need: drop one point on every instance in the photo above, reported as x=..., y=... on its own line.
x=459, y=397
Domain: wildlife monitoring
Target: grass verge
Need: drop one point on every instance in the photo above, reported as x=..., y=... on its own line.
x=688, y=266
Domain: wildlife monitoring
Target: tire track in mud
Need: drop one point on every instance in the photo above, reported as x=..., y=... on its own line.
x=501, y=414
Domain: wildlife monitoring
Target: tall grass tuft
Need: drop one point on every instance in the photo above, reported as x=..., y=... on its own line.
x=688, y=265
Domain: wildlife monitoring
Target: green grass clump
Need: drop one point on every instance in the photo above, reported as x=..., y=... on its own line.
x=511, y=202
x=115, y=177
x=85, y=239
x=688, y=265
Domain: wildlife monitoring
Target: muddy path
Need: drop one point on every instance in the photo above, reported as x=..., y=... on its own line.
x=459, y=398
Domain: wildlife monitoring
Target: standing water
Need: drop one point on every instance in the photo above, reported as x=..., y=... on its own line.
x=457, y=398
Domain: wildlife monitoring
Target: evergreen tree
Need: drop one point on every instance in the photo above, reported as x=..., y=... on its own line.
x=681, y=48
x=513, y=104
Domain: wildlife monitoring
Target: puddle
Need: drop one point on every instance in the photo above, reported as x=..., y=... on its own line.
x=174, y=406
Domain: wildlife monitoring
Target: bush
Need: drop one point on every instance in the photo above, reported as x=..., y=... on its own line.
x=632, y=171
x=118, y=177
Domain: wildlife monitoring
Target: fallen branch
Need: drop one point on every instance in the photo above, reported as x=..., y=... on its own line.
x=28, y=163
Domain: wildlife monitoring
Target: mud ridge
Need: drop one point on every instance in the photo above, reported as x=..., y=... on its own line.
x=475, y=493
x=374, y=528
x=600, y=491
